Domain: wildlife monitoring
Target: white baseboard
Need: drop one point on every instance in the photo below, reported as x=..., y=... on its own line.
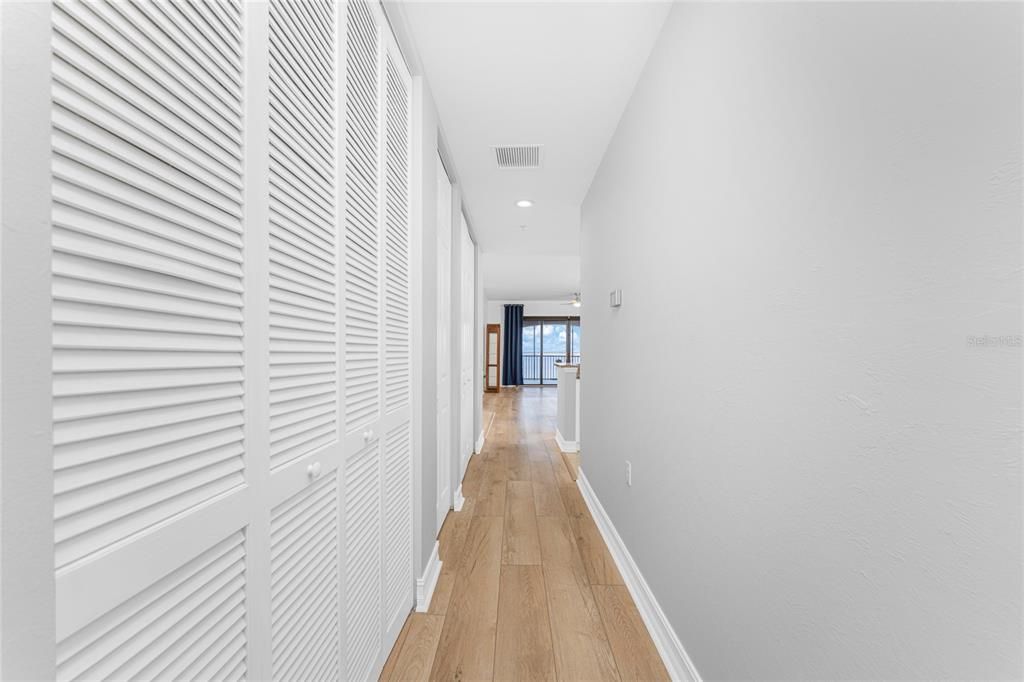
x=425, y=585
x=459, y=499
x=674, y=656
x=483, y=435
x=565, y=445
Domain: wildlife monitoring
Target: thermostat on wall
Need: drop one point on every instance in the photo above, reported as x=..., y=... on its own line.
x=615, y=298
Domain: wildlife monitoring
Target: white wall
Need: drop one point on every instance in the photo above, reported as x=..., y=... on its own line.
x=495, y=314
x=424, y=236
x=533, y=276
x=809, y=208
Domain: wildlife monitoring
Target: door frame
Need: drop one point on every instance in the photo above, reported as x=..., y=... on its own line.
x=443, y=484
x=466, y=349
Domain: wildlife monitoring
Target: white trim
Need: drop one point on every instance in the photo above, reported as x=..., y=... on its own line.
x=483, y=435
x=673, y=655
x=459, y=499
x=565, y=445
x=425, y=585
x=27, y=587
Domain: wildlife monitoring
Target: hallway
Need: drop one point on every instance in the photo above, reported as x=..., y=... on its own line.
x=528, y=589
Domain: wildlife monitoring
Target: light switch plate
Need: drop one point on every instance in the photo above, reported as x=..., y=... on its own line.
x=615, y=298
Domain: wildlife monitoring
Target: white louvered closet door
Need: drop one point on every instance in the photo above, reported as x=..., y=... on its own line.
x=397, y=427
x=231, y=339
x=377, y=472
x=303, y=385
x=151, y=507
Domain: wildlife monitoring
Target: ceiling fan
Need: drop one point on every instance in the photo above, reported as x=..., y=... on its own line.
x=575, y=301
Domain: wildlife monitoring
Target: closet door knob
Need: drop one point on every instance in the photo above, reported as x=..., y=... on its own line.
x=313, y=470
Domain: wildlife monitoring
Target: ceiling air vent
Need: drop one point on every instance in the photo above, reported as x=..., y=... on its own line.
x=518, y=156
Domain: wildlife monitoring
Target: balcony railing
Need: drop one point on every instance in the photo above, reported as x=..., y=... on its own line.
x=540, y=369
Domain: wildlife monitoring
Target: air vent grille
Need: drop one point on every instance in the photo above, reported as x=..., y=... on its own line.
x=518, y=156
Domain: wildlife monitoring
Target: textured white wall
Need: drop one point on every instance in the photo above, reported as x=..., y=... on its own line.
x=809, y=208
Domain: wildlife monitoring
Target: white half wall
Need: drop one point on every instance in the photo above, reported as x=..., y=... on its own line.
x=813, y=211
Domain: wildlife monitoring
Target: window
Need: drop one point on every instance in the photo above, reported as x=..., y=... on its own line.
x=545, y=342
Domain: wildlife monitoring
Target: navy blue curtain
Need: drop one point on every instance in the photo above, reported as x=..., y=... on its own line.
x=512, y=356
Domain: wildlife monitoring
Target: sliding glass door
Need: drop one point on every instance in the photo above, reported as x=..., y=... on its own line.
x=545, y=342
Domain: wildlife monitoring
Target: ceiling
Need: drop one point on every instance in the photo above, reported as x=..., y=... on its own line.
x=557, y=74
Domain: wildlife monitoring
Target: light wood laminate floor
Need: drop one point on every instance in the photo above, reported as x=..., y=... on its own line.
x=528, y=590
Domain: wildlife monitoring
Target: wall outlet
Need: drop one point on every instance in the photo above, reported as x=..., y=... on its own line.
x=629, y=473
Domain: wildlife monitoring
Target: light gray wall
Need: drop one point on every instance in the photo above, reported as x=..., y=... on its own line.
x=425, y=308
x=809, y=209
x=456, y=335
x=481, y=329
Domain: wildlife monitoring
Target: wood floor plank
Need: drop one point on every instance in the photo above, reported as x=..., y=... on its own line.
x=517, y=463
x=523, y=650
x=635, y=654
x=491, y=500
x=597, y=559
x=581, y=646
x=558, y=545
x=453, y=531
x=582, y=650
x=547, y=499
x=416, y=655
x=562, y=475
x=573, y=501
x=601, y=569
x=452, y=541
x=466, y=648
x=474, y=475
x=521, y=543
x=572, y=463
x=389, y=665
x=444, y=588
x=546, y=496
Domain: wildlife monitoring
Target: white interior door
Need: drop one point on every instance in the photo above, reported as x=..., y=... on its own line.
x=466, y=344
x=195, y=341
x=444, y=344
x=153, y=518
x=305, y=447
x=377, y=566
x=231, y=377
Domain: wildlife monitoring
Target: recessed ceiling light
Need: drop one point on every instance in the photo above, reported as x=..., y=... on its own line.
x=524, y=203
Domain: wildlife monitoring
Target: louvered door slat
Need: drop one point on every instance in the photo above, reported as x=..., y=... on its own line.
x=159, y=629
x=398, y=560
x=303, y=275
x=148, y=380
x=147, y=278
x=396, y=257
x=304, y=584
x=362, y=255
x=362, y=574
